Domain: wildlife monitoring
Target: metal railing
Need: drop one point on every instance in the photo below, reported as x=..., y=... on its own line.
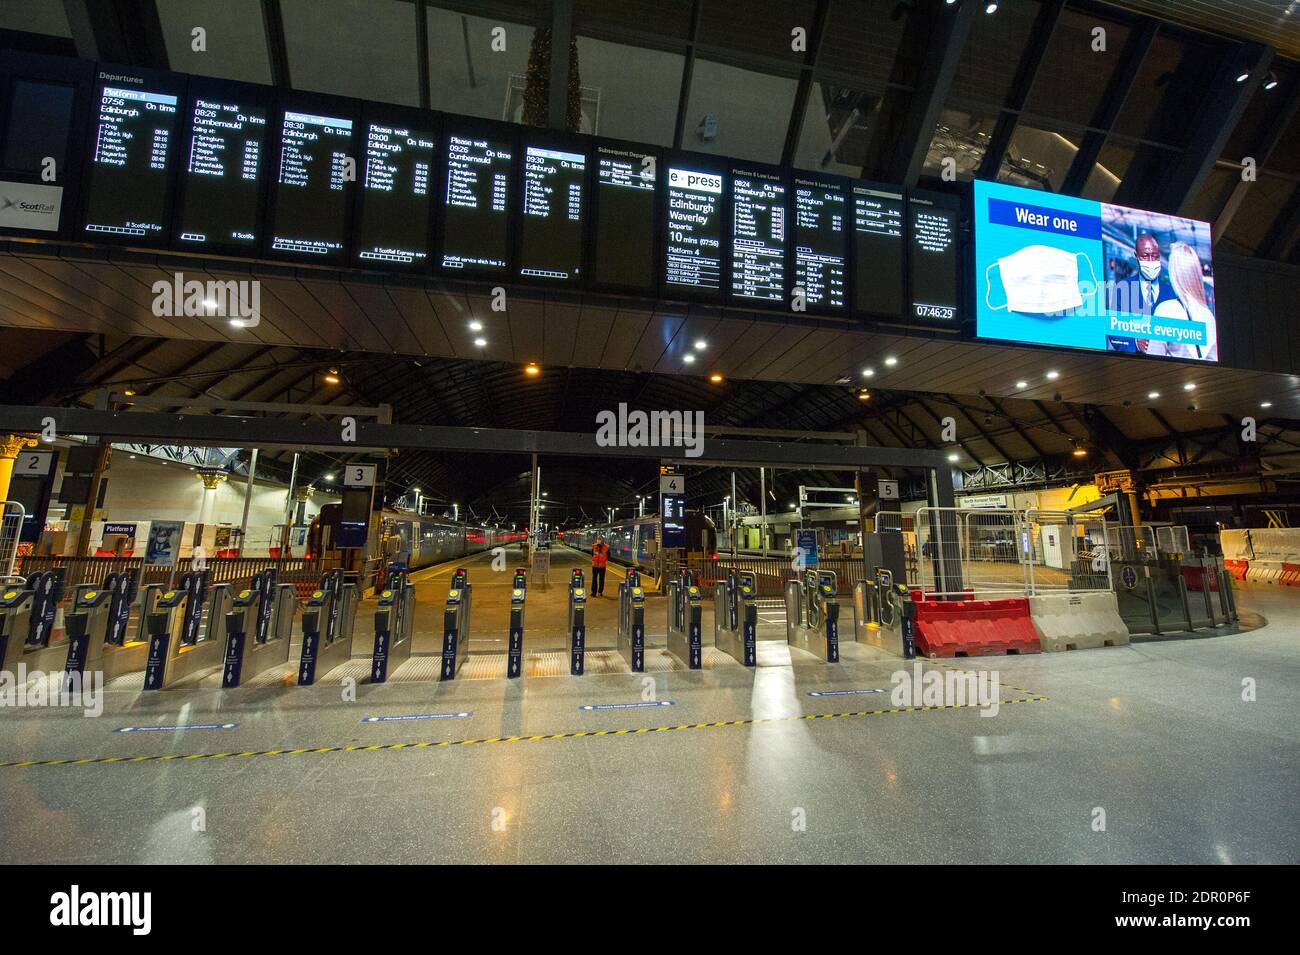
x=231, y=570
x=11, y=528
x=771, y=573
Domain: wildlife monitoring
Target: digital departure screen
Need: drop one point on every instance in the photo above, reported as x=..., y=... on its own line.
x=550, y=228
x=311, y=198
x=623, y=253
x=476, y=220
x=672, y=509
x=693, y=251
x=821, y=244
x=134, y=148
x=396, y=194
x=758, y=214
x=878, y=250
x=221, y=195
x=932, y=256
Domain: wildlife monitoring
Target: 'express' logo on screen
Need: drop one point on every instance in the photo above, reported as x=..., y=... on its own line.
x=698, y=181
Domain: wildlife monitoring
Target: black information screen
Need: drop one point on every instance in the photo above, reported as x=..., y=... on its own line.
x=623, y=250
x=221, y=200
x=38, y=124
x=758, y=214
x=693, y=250
x=672, y=510
x=476, y=223
x=550, y=228
x=878, y=251
x=135, y=132
x=396, y=194
x=311, y=199
x=933, y=252
x=821, y=244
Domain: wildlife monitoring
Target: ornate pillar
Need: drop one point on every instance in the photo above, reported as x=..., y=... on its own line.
x=211, y=478
x=301, y=495
x=10, y=445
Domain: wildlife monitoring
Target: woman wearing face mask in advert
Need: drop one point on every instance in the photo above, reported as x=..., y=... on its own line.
x=1188, y=305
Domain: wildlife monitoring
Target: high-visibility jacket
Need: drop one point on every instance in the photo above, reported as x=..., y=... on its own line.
x=599, y=555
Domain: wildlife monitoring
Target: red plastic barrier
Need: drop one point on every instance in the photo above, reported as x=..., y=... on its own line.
x=975, y=627
x=1237, y=568
x=1291, y=575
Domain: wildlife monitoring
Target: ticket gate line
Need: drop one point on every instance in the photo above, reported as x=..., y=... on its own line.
x=392, y=644
x=96, y=627
x=258, y=628
x=456, y=624
x=515, y=638
x=576, y=633
x=735, y=616
x=685, y=642
x=184, y=644
x=631, y=620
x=27, y=613
x=812, y=615
x=884, y=615
x=328, y=621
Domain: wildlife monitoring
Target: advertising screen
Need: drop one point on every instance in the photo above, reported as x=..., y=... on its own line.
x=1056, y=270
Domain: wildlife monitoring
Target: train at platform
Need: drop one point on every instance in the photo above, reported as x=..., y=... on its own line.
x=412, y=540
x=636, y=542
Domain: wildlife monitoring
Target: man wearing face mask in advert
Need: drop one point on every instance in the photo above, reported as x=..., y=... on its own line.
x=1141, y=293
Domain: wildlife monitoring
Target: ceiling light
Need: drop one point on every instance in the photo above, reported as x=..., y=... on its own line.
x=1190, y=386
x=1153, y=395
x=532, y=369
x=480, y=342
x=1053, y=375
x=954, y=457
x=1266, y=404
x=236, y=323
x=715, y=378
x=991, y=6
x=1243, y=76
x=476, y=326
x=1022, y=384
x=1080, y=452
x=129, y=392
x=701, y=344
x=891, y=361
x=864, y=395
x=329, y=477
x=689, y=359
x=332, y=377
x=1271, y=81
x=868, y=372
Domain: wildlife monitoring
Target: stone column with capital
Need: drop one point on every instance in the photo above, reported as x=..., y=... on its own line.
x=10, y=445
x=212, y=479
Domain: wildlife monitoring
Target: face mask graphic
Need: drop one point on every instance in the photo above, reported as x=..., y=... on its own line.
x=1150, y=270
x=1039, y=279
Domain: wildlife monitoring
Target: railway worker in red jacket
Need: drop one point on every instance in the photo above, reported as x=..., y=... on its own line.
x=599, y=559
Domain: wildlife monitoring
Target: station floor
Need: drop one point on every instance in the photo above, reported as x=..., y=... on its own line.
x=722, y=765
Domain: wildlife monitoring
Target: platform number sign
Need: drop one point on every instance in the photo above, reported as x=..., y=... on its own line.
x=887, y=490
x=33, y=463
x=672, y=484
x=359, y=475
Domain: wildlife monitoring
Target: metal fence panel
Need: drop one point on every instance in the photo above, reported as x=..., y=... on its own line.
x=11, y=527
x=1173, y=540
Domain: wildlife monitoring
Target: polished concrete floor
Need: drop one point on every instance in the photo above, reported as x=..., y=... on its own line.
x=736, y=769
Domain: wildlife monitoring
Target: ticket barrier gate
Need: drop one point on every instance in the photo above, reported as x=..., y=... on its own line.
x=184, y=644
x=455, y=624
x=735, y=616
x=258, y=629
x=515, y=641
x=812, y=617
x=327, y=624
x=884, y=615
x=97, y=627
x=631, y=621
x=392, y=644
x=577, y=623
x=27, y=613
x=685, y=642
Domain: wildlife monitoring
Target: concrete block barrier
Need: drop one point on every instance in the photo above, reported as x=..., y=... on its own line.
x=1078, y=621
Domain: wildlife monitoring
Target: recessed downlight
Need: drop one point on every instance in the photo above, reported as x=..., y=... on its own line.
x=1053, y=375
x=688, y=358
x=1153, y=395
x=891, y=361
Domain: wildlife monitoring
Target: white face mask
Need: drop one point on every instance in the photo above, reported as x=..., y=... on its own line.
x=1150, y=270
x=1039, y=279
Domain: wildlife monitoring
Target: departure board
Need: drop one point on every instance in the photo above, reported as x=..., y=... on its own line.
x=878, y=250
x=623, y=251
x=693, y=245
x=932, y=242
x=221, y=193
x=552, y=214
x=758, y=214
x=133, y=154
x=398, y=165
x=311, y=196
x=821, y=244
x=476, y=204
